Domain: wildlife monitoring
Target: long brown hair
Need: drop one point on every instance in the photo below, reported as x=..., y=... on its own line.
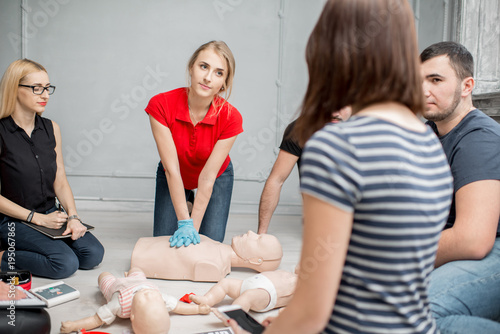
x=360, y=52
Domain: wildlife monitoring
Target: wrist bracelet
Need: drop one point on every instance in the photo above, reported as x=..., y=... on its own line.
x=75, y=217
x=30, y=216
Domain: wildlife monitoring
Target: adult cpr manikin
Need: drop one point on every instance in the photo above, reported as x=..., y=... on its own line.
x=208, y=261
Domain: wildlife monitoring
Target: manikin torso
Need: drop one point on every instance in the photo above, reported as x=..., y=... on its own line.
x=208, y=261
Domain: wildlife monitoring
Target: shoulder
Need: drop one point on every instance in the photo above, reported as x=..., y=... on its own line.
x=476, y=127
x=47, y=124
x=228, y=109
x=290, y=126
x=51, y=125
x=331, y=134
x=5, y=120
x=7, y=123
x=289, y=129
x=328, y=146
x=476, y=119
x=51, y=128
x=170, y=96
x=228, y=117
x=351, y=140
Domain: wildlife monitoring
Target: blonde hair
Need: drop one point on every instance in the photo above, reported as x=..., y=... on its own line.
x=224, y=52
x=11, y=79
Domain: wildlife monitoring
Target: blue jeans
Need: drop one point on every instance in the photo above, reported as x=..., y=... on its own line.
x=214, y=221
x=465, y=295
x=47, y=257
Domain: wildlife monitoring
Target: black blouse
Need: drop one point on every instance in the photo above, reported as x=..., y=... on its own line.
x=28, y=165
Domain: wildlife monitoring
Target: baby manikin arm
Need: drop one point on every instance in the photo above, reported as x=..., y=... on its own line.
x=187, y=309
x=85, y=323
x=226, y=287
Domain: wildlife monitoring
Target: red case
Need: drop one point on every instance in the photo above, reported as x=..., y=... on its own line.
x=20, y=278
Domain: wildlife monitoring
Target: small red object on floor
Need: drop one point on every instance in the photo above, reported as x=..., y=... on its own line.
x=185, y=298
x=85, y=332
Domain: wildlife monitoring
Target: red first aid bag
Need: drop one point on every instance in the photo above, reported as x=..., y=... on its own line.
x=20, y=278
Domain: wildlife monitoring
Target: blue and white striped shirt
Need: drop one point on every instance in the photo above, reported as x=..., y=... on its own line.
x=398, y=185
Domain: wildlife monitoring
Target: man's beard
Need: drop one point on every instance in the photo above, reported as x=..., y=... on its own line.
x=439, y=116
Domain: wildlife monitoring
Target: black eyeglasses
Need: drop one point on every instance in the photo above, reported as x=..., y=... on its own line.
x=38, y=90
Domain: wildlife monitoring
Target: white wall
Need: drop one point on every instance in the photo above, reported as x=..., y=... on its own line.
x=108, y=58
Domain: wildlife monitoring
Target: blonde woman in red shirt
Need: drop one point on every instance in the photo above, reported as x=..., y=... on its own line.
x=194, y=128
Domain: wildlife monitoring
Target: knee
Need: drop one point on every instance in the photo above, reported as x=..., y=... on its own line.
x=93, y=256
x=443, y=306
x=62, y=267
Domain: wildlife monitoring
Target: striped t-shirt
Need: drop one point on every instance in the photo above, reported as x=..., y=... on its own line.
x=398, y=185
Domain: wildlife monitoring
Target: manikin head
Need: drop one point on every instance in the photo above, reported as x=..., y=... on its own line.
x=148, y=313
x=262, y=252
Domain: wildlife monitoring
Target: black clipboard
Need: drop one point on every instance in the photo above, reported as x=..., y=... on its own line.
x=54, y=233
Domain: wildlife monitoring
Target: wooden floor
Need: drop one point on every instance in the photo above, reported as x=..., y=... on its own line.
x=119, y=231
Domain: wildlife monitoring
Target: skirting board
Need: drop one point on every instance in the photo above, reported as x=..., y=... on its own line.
x=144, y=206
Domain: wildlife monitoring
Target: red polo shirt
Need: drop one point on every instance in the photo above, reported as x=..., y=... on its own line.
x=194, y=144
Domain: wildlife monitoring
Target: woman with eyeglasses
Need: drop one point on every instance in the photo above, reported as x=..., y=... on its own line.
x=31, y=177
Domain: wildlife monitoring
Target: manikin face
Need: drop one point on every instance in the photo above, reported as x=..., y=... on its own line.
x=27, y=101
x=148, y=313
x=442, y=89
x=251, y=245
x=208, y=74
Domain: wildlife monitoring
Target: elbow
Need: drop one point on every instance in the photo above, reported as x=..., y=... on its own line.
x=171, y=173
x=480, y=252
x=315, y=322
x=60, y=184
x=479, y=249
x=311, y=319
x=276, y=180
x=206, y=182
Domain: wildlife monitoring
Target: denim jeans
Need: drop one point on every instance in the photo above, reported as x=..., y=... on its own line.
x=47, y=257
x=214, y=221
x=465, y=295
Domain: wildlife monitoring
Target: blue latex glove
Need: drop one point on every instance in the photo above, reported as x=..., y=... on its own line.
x=185, y=235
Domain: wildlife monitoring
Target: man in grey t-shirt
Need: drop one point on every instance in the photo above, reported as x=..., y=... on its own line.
x=464, y=294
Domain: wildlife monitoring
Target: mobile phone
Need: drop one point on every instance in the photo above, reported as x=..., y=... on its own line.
x=242, y=318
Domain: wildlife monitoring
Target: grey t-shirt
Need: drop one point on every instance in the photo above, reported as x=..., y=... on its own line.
x=473, y=152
